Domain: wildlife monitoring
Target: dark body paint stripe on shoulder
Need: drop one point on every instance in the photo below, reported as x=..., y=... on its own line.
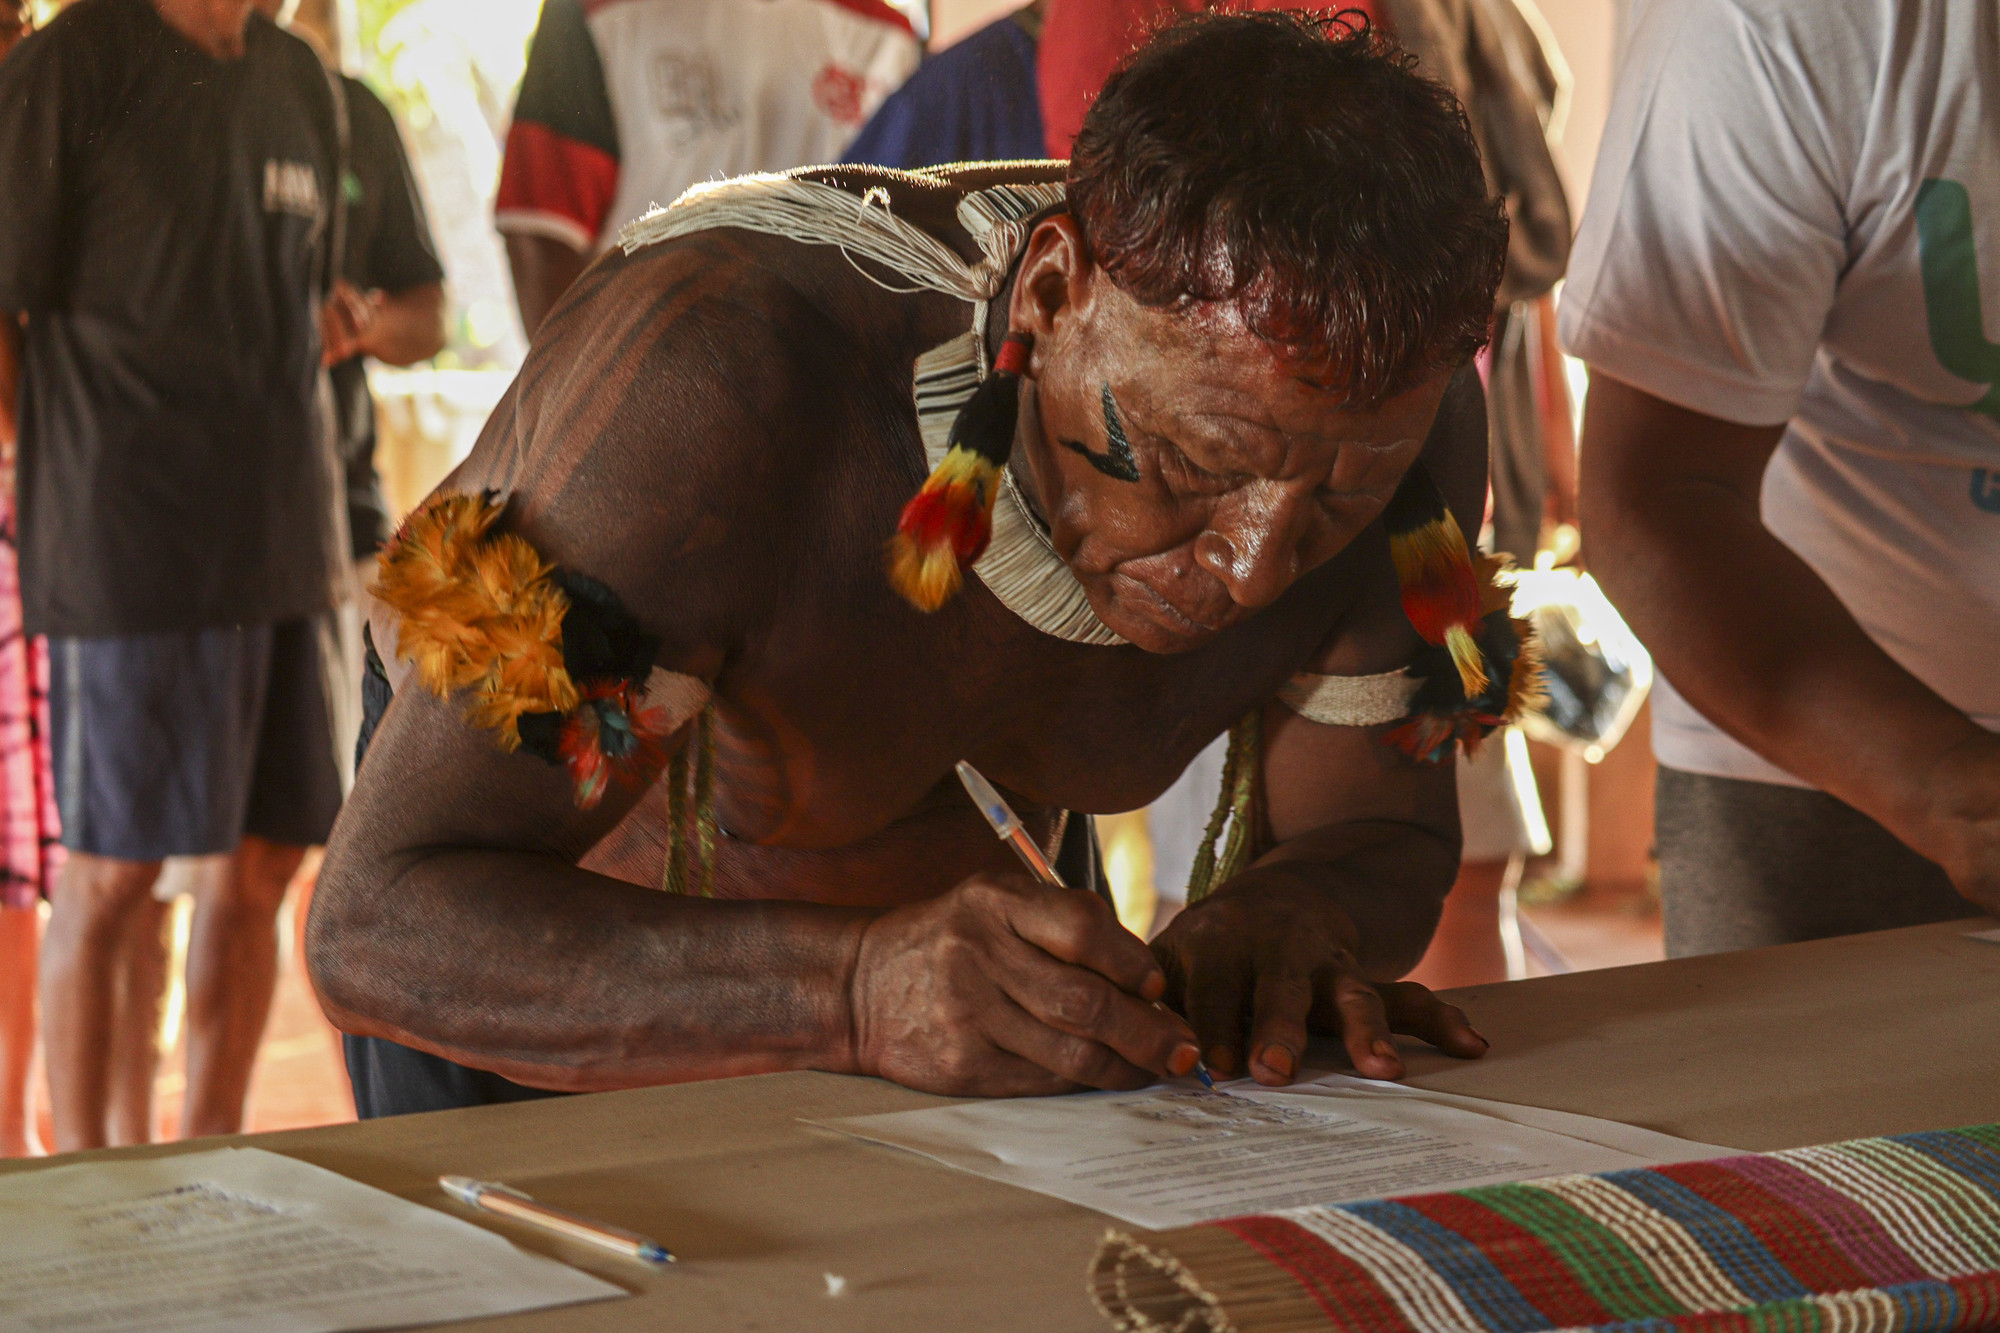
x=596, y=383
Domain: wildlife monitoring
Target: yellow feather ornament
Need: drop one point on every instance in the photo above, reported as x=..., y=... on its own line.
x=478, y=610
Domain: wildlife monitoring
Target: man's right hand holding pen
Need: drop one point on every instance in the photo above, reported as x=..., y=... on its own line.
x=1007, y=987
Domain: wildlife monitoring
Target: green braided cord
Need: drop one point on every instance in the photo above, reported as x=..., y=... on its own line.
x=1201, y=875
x=1235, y=805
x=1241, y=848
x=704, y=798
x=677, y=781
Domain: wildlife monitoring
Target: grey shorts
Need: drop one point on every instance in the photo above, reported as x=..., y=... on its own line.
x=180, y=743
x=1746, y=864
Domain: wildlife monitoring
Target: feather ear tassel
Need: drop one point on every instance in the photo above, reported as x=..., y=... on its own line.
x=1441, y=590
x=1442, y=716
x=946, y=525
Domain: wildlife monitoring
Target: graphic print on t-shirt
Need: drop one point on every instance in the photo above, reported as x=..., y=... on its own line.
x=1951, y=290
x=687, y=94
x=291, y=187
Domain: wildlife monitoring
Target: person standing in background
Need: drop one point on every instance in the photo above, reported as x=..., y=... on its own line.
x=976, y=101
x=388, y=304
x=1496, y=55
x=1783, y=285
x=180, y=503
x=626, y=103
x=29, y=854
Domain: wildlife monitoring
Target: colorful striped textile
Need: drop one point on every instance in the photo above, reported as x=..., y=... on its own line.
x=1888, y=1235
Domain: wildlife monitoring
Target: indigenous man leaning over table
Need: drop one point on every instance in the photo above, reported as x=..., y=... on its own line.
x=1216, y=393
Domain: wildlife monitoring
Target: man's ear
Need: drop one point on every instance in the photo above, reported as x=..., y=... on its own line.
x=1054, y=287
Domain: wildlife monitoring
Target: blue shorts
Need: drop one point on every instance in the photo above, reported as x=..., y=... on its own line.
x=180, y=743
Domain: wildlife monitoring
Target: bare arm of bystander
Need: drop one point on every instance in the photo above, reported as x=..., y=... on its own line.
x=543, y=270
x=10, y=400
x=1761, y=646
x=409, y=326
x=10, y=375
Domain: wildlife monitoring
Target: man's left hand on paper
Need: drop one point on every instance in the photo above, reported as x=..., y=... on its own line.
x=1269, y=959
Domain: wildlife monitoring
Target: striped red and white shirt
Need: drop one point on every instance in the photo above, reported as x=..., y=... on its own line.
x=626, y=103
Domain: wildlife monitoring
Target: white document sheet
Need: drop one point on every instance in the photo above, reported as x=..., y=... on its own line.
x=239, y=1240
x=1177, y=1154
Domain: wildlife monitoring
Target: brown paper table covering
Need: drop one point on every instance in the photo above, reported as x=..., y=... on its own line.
x=1777, y=1048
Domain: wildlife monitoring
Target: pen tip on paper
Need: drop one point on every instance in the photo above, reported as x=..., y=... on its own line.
x=1207, y=1081
x=656, y=1254
x=836, y=1285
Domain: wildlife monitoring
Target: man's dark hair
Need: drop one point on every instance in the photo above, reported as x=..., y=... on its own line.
x=1296, y=166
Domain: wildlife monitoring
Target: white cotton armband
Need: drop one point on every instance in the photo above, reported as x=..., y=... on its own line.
x=1350, y=701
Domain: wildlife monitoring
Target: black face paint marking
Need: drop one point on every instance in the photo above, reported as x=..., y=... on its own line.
x=1117, y=462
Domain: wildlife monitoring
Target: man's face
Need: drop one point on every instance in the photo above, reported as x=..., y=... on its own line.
x=15, y=23
x=1189, y=475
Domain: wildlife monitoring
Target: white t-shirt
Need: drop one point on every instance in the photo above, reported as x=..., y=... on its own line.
x=626, y=103
x=1796, y=217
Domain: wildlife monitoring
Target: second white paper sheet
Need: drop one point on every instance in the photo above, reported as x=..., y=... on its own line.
x=1178, y=1154
x=239, y=1240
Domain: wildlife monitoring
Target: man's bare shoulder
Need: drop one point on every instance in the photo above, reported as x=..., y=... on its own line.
x=695, y=415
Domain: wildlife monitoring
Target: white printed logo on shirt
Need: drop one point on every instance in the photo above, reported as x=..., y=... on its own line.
x=843, y=95
x=291, y=187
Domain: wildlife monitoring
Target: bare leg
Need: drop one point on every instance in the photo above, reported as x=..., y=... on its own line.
x=135, y=1022
x=94, y=900
x=232, y=969
x=1467, y=949
x=20, y=937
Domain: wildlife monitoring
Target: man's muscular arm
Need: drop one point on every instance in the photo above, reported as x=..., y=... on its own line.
x=1312, y=937
x=640, y=446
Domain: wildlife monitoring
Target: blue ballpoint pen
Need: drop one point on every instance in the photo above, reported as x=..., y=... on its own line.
x=1007, y=827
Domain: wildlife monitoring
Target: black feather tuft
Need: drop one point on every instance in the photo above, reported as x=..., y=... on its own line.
x=986, y=423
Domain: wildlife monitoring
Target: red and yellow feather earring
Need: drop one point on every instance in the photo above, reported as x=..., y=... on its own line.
x=1442, y=592
x=946, y=525
x=1460, y=606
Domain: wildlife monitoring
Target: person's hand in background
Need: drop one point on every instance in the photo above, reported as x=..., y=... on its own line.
x=345, y=320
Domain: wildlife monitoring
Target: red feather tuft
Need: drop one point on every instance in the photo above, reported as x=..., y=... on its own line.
x=610, y=737
x=1442, y=595
x=1430, y=738
x=944, y=529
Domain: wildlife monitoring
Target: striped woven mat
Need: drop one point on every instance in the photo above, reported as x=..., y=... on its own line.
x=1889, y=1235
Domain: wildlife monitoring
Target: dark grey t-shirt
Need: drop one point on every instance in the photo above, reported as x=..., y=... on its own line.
x=164, y=223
